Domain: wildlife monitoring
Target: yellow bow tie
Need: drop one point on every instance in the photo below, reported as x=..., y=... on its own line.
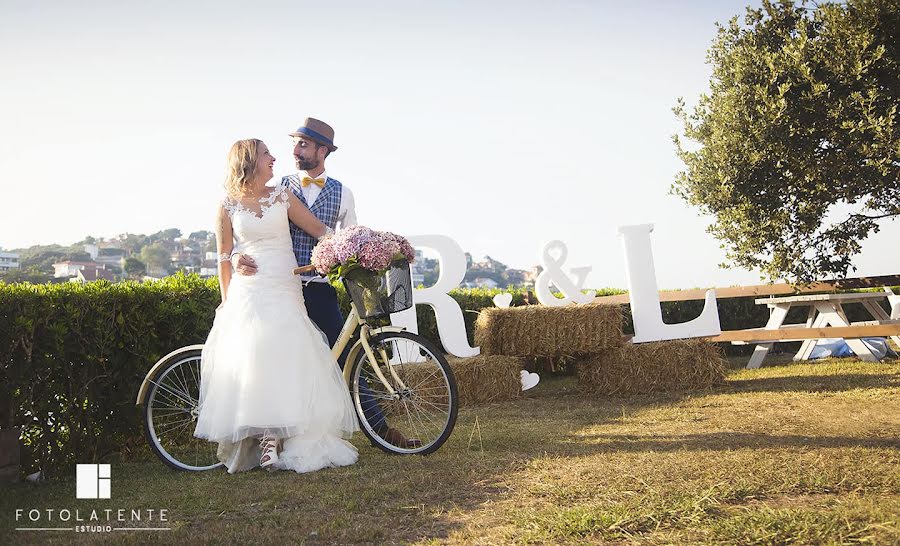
x=317, y=181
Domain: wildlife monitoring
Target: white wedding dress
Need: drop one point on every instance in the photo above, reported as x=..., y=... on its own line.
x=265, y=365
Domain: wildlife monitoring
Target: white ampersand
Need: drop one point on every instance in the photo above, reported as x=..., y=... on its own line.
x=553, y=274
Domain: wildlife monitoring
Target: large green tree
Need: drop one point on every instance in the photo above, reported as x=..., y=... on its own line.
x=202, y=235
x=132, y=242
x=156, y=257
x=796, y=147
x=165, y=235
x=135, y=268
x=28, y=274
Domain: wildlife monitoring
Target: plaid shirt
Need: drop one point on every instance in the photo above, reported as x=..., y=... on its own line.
x=326, y=209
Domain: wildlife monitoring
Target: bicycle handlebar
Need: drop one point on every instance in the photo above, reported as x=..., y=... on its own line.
x=304, y=270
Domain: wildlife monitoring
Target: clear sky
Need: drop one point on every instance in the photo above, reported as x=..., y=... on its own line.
x=500, y=124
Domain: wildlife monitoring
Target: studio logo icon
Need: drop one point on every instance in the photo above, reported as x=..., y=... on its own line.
x=92, y=481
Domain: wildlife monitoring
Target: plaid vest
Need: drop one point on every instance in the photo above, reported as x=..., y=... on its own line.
x=326, y=209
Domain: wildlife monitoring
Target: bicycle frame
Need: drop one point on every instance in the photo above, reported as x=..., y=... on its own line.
x=350, y=325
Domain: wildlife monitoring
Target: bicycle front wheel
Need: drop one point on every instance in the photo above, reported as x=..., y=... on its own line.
x=424, y=404
x=170, y=415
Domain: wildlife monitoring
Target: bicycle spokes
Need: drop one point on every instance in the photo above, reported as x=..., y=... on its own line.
x=171, y=416
x=422, y=402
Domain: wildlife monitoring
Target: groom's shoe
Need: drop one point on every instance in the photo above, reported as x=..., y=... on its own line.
x=395, y=437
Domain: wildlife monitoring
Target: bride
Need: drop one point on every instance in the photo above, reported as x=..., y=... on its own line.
x=271, y=393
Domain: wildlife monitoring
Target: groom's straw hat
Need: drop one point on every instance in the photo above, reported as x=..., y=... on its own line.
x=318, y=131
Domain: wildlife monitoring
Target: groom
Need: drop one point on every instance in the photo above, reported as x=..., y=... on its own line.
x=332, y=203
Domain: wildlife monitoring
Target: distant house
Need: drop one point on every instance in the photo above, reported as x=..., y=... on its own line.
x=186, y=257
x=82, y=271
x=90, y=274
x=532, y=275
x=8, y=260
x=483, y=282
x=520, y=277
x=70, y=268
x=92, y=250
x=111, y=256
x=415, y=273
x=488, y=264
x=210, y=265
x=170, y=246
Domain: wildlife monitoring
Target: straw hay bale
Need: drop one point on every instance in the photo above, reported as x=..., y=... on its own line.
x=484, y=379
x=479, y=380
x=660, y=366
x=539, y=330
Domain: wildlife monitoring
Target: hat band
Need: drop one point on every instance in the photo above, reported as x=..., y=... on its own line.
x=314, y=135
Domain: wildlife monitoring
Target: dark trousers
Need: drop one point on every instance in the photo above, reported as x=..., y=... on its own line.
x=322, y=307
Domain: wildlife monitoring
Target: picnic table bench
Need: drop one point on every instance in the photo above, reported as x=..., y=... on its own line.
x=826, y=317
x=824, y=310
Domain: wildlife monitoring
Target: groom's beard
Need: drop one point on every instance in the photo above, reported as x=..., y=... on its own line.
x=306, y=164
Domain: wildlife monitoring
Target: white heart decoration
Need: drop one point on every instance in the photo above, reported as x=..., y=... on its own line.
x=529, y=380
x=503, y=300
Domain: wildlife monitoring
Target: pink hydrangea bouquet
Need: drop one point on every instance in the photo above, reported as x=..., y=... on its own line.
x=359, y=247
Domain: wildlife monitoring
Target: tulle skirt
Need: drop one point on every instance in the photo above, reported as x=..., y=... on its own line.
x=267, y=367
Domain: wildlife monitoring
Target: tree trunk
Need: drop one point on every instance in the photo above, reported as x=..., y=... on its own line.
x=9, y=454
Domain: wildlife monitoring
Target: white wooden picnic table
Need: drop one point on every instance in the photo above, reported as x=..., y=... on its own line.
x=824, y=310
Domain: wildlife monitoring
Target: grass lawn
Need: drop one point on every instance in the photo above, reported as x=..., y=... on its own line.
x=791, y=453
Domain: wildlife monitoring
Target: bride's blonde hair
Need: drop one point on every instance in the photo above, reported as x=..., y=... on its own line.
x=241, y=166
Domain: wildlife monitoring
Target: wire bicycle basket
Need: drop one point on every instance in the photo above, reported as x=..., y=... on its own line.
x=380, y=294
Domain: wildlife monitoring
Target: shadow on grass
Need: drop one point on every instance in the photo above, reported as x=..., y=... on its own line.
x=717, y=441
x=386, y=499
x=814, y=383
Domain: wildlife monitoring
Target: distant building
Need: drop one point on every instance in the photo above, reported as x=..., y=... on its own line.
x=89, y=274
x=107, y=255
x=111, y=256
x=415, y=270
x=483, y=282
x=8, y=260
x=187, y=257
x=92, y=250
x=531, y=276
x=210, y=265
x=70, y=268
x=522, y=277
x=488, y=264
x=82, y=271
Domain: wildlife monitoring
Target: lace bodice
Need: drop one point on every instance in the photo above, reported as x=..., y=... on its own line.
x=279, y=194
x=262, y=230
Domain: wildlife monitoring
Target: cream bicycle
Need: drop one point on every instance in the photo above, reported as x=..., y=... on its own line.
x=402, y=373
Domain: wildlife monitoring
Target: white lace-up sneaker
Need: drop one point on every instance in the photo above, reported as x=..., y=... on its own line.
x=269, y=446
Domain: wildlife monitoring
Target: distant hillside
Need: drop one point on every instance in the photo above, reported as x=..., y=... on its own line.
x=131, y=255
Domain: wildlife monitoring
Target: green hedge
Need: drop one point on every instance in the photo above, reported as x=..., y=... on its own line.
x=73, y=356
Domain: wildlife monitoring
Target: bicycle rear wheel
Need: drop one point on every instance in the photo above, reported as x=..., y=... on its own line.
x=170, y=415
x=425, y=405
